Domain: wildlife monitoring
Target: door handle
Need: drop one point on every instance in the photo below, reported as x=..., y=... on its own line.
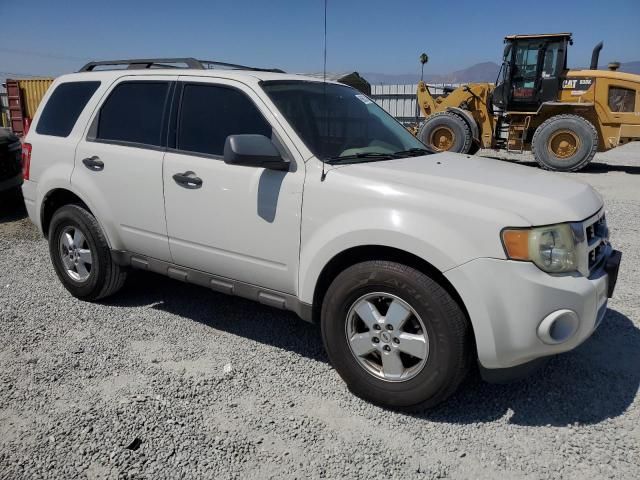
x=188, y=180
x=93, y=163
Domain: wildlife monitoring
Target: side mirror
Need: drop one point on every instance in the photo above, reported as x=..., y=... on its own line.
x=253, y=151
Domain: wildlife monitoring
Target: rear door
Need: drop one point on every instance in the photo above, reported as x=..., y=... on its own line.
x=119, y=164
x=240, y=222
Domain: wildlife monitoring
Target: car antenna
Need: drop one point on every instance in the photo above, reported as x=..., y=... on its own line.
x=324, y=87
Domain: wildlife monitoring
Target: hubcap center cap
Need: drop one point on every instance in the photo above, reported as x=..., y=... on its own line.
x=385, y=337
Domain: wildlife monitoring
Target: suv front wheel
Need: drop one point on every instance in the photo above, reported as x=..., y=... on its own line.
x=81, y=255
x=395, y=336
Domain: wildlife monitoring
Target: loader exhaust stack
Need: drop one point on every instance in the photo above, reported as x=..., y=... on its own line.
x=595, y=56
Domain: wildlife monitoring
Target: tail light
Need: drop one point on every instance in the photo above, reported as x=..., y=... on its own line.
x=26, y=160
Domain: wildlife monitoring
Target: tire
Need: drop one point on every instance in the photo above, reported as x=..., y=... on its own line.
x=448, y=340
x=475, y=147
x=97, y=279
x=447, y=123
x=578, y=135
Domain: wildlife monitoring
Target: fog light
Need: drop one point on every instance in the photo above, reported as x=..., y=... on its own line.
x=558, y=327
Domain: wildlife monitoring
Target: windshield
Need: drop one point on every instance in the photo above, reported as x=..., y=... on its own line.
x=338, y=123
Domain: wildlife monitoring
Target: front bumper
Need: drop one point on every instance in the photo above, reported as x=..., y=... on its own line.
x=512, y=306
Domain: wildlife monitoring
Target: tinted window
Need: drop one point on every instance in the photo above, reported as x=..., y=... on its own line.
x=209, y=114
x=134, y=113
x=622, y=99
x=550, y=65
x=64, y=107
x=525, y=72
x=336, y=120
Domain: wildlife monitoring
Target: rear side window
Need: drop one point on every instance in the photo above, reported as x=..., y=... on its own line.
x=64, y=107
x=209, y=114
x=134, y=113
x=622, y=99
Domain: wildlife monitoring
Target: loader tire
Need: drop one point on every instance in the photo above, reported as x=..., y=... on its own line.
x=446, y=132
x=475, y=148
x=564, y=143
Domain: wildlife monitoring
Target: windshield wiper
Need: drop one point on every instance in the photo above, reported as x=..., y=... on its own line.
x=412, y=152
x=357, y=156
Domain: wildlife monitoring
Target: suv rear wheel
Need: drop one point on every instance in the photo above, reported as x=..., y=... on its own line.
x=81, y=255
x=394, y=335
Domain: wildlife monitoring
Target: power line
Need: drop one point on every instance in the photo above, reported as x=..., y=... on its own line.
x=45, y=55
x=16, y=74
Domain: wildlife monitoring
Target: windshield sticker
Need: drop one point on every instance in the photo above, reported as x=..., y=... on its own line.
x=363, y=99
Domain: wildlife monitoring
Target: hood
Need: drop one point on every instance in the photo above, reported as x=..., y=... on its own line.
x=536, y=196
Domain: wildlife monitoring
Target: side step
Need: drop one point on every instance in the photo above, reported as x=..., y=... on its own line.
x=225, y=285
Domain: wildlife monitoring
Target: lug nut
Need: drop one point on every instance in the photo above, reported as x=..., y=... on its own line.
x=387, y=348
x=396, y=340
x=375, y=340
x=376, y=327
x=389, y=327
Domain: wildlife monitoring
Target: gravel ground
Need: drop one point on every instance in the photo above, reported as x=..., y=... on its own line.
x=168, y=380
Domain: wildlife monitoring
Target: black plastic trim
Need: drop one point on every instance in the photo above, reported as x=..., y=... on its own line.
x=266, y=296
x=128, y=144
x=611, y=267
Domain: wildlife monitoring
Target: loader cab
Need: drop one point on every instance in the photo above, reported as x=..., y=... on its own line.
x=531, y=71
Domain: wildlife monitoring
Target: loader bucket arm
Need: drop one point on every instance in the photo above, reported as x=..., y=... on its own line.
x=426, y=101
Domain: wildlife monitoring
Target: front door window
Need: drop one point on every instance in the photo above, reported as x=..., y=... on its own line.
x=524, y=73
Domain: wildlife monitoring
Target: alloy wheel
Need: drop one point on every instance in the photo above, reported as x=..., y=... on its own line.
x=75, y=253
x=387, y=337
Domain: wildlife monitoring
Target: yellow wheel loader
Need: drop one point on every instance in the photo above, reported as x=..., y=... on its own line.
x=562, y=116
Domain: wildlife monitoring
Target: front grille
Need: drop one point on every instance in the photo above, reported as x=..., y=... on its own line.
x=597, y=235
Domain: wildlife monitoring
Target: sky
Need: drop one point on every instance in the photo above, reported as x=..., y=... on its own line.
x=55, y=37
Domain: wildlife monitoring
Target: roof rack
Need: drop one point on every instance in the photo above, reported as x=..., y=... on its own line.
x=189, y=62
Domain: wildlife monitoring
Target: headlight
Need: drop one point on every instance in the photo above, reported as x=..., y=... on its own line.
x=554, y=249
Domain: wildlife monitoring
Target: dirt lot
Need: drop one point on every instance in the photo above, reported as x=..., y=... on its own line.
x=168, y=380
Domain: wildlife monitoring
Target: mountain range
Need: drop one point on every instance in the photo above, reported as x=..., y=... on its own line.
x=480, y=72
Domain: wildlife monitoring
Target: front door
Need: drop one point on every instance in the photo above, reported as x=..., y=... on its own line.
x=237, y=222
x=119, y=165
x=524, y=76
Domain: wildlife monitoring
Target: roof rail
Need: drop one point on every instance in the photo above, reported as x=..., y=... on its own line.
x=189, y=62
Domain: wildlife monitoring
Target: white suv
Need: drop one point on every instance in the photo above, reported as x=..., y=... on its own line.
x=307, y=196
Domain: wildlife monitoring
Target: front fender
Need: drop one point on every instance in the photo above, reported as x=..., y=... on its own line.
x=424, y=237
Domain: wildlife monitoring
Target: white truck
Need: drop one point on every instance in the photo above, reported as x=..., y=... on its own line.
x=306, y=196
